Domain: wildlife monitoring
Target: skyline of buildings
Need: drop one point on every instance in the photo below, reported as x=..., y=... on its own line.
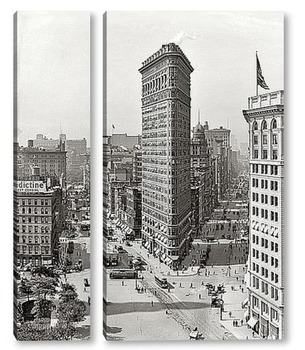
x=194, y=186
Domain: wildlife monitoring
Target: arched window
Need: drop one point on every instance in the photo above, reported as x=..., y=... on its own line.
x=273, y=124
x=254, y=125
x=264, y=125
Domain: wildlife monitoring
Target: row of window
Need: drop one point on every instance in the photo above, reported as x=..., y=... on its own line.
x=33, y=211
x=274, y=186
x=265, y=308
x=273, y=125
x=274, y=216
x=35, y=239
x=264, y=286
x=274, y=139
x=35, y=219
x=33, y=250
x=264, y=154
x=265, y=169
x=34, y=201
x=35, y=229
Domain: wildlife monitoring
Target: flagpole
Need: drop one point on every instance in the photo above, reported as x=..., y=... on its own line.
x=256, y=73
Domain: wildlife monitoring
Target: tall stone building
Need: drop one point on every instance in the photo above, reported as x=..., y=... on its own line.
x=204, y=187
x=166, y=188
x=265, y=116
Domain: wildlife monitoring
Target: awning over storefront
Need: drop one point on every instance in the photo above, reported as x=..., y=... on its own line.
x=252, y=322
x=245, y=302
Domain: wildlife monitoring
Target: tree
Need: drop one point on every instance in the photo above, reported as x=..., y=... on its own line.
x=25, y=287
x=42, y=308
x=40, y=330
x=45, y=271
x=71, y=311
x=67, y=293
x=44, y=286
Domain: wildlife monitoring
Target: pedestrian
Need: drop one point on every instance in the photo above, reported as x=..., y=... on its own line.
x=152, y=303
x=242, y=290
x=191, y=286
x=202, y=283
x=241, y=322
x=89, y=301
x=253, y=334
x=180, y=285
x=122, y=283
x=230, y=314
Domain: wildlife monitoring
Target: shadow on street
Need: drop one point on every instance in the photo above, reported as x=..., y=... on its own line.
x=130, y=307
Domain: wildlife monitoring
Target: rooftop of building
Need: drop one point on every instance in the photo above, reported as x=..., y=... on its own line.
x=266, y=100
x=166, y=49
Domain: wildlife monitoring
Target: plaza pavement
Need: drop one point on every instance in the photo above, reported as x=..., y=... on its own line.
x=232, y=277
x=134, y=316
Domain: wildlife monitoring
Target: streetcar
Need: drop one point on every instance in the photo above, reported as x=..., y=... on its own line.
x=121, y=274
x=161, y=282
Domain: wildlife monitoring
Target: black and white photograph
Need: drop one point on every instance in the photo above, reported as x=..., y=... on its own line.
x=193, y=149
x=51, y=175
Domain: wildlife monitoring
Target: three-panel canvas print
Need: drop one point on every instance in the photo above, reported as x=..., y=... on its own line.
x=193, y=178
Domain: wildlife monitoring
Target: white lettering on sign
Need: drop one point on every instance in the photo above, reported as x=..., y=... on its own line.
x=31, y=186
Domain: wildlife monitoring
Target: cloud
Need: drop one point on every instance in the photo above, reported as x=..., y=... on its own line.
x=180, y=37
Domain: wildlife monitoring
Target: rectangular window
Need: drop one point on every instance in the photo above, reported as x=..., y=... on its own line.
x=265, y=154
x=274, y=154
x=265, y=139
x=274, y=139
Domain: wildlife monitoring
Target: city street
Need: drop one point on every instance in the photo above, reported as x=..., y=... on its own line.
x=187, y=301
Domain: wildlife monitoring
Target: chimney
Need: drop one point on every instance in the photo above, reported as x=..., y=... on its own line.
x=30, y=143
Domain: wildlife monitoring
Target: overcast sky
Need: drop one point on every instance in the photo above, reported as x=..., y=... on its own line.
x=221, y=51
x=53, y=74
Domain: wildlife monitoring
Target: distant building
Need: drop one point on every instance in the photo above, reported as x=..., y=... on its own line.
x=265, y=116
x=137, y=166
x=51, y=163
x=204, y=193
x=76, y=154
x=134, y=209
x=217, y=134
x=218, y=141
x=127, y=141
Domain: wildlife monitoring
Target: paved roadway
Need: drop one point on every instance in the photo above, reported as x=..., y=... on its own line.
x=186, y=302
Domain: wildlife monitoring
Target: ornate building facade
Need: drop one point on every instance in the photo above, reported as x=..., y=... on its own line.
x=265, y=116
x=166, y=188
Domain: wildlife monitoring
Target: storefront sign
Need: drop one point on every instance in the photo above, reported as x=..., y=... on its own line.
x=30, y=186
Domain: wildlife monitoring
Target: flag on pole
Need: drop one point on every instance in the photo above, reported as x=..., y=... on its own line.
x=259, y=75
